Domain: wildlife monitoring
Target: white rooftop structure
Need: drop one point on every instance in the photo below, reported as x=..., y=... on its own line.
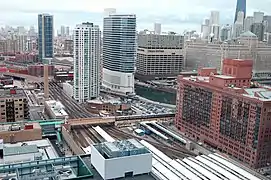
x=120, y=159
x=28, y=151
x=204, y=167
x=55, y=109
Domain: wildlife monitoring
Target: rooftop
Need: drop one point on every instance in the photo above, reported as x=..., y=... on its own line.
x=121, y=148
x=10, y=93
x=9, y=151
x=108, y=99
x=248, y=34
x=16, y=127
x=57, y=108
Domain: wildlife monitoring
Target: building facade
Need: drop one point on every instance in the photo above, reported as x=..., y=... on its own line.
x=159, y=56
x=247, y=46
x=119, y=51
x=227, y=111
x=240, y=6
x=267, y=20
x=258, y=30
x=45, y=37
x=13, y=105
x=258, y=17
x=157, y=28
x=248, y=22
x=238, y=26
x=87, y=59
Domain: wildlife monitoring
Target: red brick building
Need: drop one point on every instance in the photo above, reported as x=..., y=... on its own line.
x=227, y=111
x=38, y=70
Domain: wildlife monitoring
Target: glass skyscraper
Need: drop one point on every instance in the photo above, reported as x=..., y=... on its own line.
x=46, y=36
x=119, y=49
x=241, y=6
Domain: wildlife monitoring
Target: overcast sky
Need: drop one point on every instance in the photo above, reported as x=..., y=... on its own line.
x=175, y=15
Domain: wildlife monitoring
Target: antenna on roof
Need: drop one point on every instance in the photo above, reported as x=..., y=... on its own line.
x=239, y=54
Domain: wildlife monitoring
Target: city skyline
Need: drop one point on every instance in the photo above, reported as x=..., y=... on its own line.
x=176, y=16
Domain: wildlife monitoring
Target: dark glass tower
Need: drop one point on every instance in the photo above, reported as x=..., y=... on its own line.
x=241, y=6
x=46, y=35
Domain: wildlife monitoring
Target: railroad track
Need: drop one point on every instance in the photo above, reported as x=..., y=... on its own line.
x=92, y=134
x=79, y=139
x=73, y=109
x=174, y=152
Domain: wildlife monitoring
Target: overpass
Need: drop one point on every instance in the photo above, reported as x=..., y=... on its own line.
x=23, y=76
x=119, y=120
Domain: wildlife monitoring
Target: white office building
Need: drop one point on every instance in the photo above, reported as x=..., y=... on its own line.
x=119, y=51
x=87, y=56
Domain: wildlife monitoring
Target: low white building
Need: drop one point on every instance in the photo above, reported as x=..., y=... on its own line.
x=55, y=110
x=121, y=159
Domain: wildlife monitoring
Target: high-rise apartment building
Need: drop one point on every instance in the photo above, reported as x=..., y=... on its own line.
x=119, y=52
x=159, y=56
x=227, y=112
x=46, y=36
x=13, y=105
x=87, y=58
x=248, y=22
x=240, y=6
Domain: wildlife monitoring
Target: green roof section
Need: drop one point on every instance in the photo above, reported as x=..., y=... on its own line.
x=9, y=151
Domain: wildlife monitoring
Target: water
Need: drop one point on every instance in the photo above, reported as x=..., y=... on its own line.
x=156, y=95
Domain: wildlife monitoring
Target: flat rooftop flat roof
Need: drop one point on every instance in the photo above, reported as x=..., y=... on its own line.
x=6, y=93
x=9, y=151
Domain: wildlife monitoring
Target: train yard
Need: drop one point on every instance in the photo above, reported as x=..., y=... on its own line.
x=88, y=135
x=73, y=109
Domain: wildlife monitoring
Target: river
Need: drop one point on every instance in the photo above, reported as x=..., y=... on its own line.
x=156, y=95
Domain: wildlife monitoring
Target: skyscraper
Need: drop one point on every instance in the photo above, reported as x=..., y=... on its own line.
x=62, y=31
x=241, y=6
x=67, y=31
x=258, y=17
x=157, y=28
x=119, y=49
x=248, y=22
x=87, y=58
x=238, y=25
x=258, y=30
x=46, y=35
x=214, y=27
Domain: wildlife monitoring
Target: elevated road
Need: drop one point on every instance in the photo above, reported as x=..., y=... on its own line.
x=23, y=76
